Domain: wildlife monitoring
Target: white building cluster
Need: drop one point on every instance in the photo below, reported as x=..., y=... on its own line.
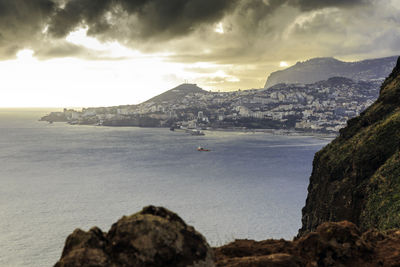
x=324, y=106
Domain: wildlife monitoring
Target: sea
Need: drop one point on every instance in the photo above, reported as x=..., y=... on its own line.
x=57, y=177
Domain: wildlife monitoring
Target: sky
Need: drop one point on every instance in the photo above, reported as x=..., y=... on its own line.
x=82, y=53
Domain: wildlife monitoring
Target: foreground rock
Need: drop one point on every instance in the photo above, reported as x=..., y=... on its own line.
x=333, y=244
x=158, y=237
x=153, y=237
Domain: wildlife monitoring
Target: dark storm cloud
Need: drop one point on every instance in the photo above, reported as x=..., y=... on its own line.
x=165, y=19
x=78, y=12
x=23, y=22
x=145, y=18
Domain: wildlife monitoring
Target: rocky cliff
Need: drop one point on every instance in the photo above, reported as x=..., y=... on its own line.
x=357, y=176
x=318, y=69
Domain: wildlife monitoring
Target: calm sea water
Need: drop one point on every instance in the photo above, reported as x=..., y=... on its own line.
x=56, y=177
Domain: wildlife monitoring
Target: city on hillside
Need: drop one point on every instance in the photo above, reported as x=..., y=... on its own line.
x=322, y=107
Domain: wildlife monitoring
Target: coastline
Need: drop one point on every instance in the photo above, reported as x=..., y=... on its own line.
x=276, y=132
x=287, y=132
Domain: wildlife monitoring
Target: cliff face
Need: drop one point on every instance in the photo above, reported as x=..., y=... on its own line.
x=357, y=176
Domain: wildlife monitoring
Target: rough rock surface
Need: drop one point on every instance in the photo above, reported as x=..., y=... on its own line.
x=332, y=244
x=159, y=237
x=357, y=176
x=153, y=237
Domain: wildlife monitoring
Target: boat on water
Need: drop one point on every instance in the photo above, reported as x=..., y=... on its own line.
x=202, y=149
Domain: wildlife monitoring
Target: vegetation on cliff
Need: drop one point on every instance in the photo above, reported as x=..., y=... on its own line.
x=357, y=176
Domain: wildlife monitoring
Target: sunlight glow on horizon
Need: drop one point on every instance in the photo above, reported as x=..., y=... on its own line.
x=72, y=82
x=25, y=55
x=28, y=82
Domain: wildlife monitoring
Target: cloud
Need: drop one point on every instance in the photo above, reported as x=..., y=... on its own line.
x=147, y=25
x=62, y=49
x=257, y=34
x=155, y=19
x=21, y=24
x=143, y=24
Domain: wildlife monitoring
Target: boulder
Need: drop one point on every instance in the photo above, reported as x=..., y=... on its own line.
x=153, y=237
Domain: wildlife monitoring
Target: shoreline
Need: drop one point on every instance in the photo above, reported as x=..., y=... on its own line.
x=233, y=130
x=276, y=132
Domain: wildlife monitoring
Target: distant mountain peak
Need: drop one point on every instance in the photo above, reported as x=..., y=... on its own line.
x=323, y=68
x=188, y=87
x=321, y=60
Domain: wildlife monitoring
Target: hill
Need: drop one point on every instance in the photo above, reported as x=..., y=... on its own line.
x=176, y=93
x=318, y=69
x=357, y=176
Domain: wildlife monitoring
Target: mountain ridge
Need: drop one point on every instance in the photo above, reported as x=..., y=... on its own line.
x=323, y=68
